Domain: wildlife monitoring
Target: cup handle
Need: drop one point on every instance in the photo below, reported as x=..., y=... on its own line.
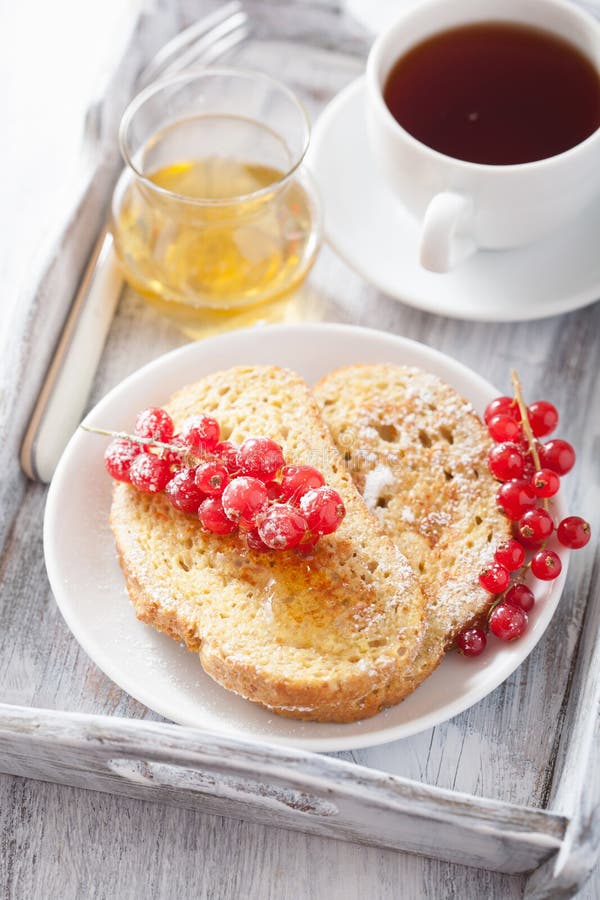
x=445, y=238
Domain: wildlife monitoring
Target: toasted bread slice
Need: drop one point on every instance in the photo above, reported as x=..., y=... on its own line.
x=418, y=455
x=325, y=638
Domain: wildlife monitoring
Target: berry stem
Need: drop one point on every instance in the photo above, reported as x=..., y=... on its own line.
x=526, y=425
x=124, y=436
x=525, y=417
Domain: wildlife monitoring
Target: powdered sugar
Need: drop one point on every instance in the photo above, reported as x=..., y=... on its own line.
x=375, y=483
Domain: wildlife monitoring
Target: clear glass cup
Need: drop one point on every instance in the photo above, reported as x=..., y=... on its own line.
x=215, y=221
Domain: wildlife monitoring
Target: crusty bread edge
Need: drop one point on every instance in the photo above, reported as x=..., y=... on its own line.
x=361, y=698
x=413, y=679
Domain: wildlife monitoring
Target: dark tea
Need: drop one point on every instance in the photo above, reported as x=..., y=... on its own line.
x=495, y=93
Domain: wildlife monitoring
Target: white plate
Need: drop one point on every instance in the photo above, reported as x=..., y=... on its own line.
x=89, y=587
x=375, y=235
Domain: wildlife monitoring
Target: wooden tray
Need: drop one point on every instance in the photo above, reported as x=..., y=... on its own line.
x=513, y=784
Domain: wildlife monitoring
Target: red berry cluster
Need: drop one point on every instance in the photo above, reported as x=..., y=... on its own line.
x=530, y=473
x=248, y=488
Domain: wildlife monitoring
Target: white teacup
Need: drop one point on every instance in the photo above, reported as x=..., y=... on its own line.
x=466, y=206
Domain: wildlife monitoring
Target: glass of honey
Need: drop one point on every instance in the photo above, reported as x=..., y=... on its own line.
x=215, y=220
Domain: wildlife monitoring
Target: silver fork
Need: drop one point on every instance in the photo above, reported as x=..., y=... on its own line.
x=66, y=387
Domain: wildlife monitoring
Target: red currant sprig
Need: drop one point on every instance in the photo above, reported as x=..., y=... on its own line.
x=529, y=472
x=249, y=489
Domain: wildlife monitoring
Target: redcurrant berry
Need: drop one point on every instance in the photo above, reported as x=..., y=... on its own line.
x=200, y=434
x=118, y=457
x=574, y=532
x=529, y=543
x=495, y=578
x=545, y=483
x=557, y=455
x=213, y=518
x=508, y=622
x=297, y=480
x=211, y=477
x=505, y=406
x=308, y=545
x=260, y=458
x=183, y=492
x=324, y=510
x=471, y=642
x=520, y=595
x=255, y=542
x=535, y=525
x=511, y=555
x=273, y=490
x=154, y=423
x=177, y=453
x=505, y=461
x=227, y=453
x=514, y=498
x=529, y=467
x=546, y=565
x=543, y=417
x=503, y=428
x=149, y=473
x=283, y=527
x=244, y=500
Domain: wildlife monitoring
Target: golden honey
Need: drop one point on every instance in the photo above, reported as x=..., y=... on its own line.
x=214, y=242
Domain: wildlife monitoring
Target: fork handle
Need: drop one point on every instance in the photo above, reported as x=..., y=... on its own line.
x=64, y=394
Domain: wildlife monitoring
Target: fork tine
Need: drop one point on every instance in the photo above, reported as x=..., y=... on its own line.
x=186, y=38
x=207, y=52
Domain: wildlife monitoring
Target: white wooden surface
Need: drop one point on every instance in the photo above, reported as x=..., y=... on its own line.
x=281, y=787
x=61, y=842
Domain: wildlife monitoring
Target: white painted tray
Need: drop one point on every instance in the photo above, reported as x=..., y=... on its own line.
x=512, y=784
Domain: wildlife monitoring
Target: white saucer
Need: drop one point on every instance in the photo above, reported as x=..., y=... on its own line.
x=372, y=232
x=376, y=15
x=90, y=591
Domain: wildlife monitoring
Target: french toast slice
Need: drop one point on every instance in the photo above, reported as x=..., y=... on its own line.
x=325, y=638
x=418, y=454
